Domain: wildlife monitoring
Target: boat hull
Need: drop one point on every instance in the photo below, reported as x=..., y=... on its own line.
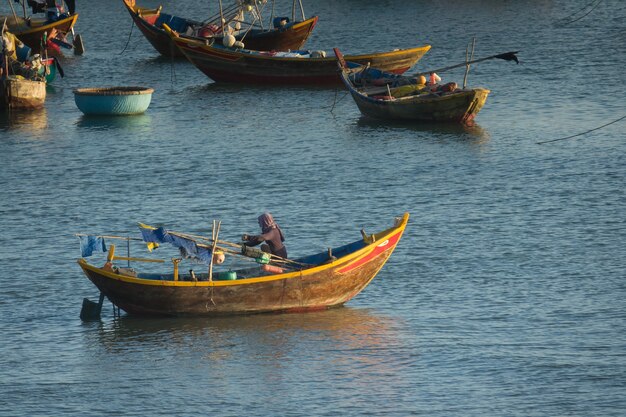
x=292, y=38
x=459, y=107
x=322, y=287
x=382, y=95
x=18, y=94
x=229, y=65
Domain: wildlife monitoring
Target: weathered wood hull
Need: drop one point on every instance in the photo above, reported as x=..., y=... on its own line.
x=32, y=35
x=18, y=94
x=461, y=107
x=249, y=67
x=321, y=287
x=272, y=40
x=423, y=105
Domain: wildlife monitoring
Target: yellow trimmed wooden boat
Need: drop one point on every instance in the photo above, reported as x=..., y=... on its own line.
x=281, y=38
x=223, y=64
x=31, y=31
x=320, y=281
x=381, y=95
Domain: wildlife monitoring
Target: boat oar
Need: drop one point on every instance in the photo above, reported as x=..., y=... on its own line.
x=507, y=56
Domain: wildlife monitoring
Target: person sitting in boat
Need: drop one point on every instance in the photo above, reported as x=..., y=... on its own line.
x=270, y=234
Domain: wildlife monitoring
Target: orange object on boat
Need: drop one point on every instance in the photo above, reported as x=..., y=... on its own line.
x=273, y=269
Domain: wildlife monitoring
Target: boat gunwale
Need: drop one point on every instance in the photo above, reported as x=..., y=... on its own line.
x=194, y=43
x=455, y=95
x=113, y=91
x=380, y=237
x=45, y=27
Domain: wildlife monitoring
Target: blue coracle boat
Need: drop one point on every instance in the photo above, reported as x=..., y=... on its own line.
x=113, y=100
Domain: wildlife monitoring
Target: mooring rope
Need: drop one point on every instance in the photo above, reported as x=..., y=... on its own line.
x=335, y=101
x=129, y=35
x=564, y=21
x=583, y=133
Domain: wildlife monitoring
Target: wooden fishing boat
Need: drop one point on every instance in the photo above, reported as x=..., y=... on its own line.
x=18, y=93
x=31, y=31
x=316, y=282
x=150, y=23
x=383, y=95
x=223, y=64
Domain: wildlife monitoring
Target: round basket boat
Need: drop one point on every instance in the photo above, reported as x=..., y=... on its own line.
x=113, y=100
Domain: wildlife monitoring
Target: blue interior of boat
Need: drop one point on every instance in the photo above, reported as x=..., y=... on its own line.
x=337, y=252
x=176, y=23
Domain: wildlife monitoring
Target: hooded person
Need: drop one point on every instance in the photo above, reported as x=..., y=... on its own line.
x=270, y=234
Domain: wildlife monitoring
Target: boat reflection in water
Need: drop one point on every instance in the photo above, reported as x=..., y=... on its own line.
x=353, y=333
x=28, y=121
x=444, y=131
x=136, y=123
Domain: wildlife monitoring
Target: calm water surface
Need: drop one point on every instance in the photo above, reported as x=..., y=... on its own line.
x=504, y=298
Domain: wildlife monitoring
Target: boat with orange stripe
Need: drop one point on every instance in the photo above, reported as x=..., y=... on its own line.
x=320, y=281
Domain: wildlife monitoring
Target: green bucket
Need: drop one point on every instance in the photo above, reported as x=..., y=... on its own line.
x=226, y=276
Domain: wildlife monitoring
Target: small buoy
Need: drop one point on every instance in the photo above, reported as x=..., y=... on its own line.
x=264, y=259
x=434, y=78
x=228, y=41
x=238, y=45
x=273, y=269
x=219, y=257
x=421, y=80
x=205, y=32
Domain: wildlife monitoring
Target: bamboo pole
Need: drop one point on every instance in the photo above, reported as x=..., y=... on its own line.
x=222, y=17
x=110, y=236
x=216, y=233
x=258, y=13
x=13, y=10
x=468, y=58
x=302, y=10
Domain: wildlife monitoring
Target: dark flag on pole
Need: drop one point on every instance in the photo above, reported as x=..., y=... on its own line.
x=508, y=56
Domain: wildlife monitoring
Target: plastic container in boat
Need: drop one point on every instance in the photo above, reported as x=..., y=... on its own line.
x=113, y=100
x=263, y=259
x=226, y=276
